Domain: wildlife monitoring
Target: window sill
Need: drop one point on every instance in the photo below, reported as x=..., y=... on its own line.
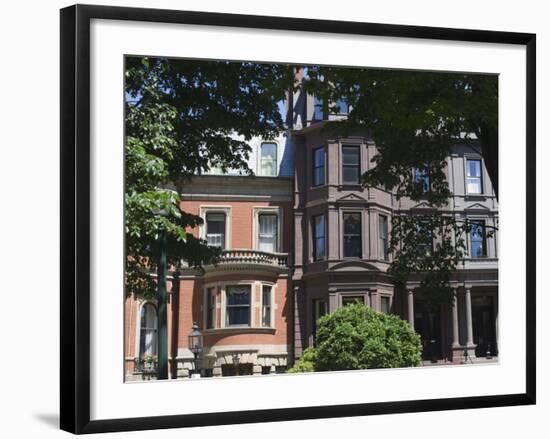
x=240, y=330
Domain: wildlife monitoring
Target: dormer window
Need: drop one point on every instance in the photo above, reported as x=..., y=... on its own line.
x=268, y=159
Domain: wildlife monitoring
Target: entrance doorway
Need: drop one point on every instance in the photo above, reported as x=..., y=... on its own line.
x=427, y=323
x=484, y=325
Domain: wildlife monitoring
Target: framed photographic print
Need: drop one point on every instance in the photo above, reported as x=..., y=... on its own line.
x=275, y=218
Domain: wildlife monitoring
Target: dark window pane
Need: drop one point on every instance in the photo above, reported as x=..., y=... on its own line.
x=319, y=237
x=318, y=166
x=266, y=305
x=215, y=229
x=238, y=305
x=352, y=235
x=350, y=164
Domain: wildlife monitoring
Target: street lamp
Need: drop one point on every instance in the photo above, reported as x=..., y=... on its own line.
x=195, y=346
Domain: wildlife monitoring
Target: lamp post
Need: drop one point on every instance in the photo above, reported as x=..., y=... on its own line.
x=195, y=346
x=162, y=319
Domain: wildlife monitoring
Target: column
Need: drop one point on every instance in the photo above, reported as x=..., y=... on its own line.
x=456, y=342
x=470, y=346
x=457, y=350
x=410, y=306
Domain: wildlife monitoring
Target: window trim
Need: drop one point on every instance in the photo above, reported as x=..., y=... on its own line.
x=313, y=167
x=216, y=292
x=251, y=304
x=485, y=246
x=359, y=167
x=255, y=316
x=206, y=209
x=468, y=157
x=271, y=304
x=259, y=158
x=386, y=255
x=390, y=299
x=343, y=229
x=137, y=343
x=269, y=210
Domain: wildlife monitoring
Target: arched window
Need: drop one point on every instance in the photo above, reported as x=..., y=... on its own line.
x=148, y=331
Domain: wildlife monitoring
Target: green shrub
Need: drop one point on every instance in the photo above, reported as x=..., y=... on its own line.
x=357, y=337
x=306, y=363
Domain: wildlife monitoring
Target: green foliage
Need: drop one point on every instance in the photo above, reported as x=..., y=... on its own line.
x=306, y=363
x=357, y=337
x=432, y=245
x=182, y=118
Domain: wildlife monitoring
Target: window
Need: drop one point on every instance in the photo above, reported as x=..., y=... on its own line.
x=268, y=232
x=215, y=229
x=343, y=107
x=266, y=305
x=318, y=166
x=422, y=176
x=352, y=235
x=477, y=239
x=425, y=238
x=349, y=300
x=238, y=305
x=210, y=307
x=318, y=237
x=350, y=165
x=383, y=237
x=319, y=308
x=473, y=177
x=268, y=159
x=318, y=107
x=148, y=331
x=385, y=304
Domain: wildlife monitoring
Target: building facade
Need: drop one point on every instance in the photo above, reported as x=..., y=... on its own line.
x=301, y=238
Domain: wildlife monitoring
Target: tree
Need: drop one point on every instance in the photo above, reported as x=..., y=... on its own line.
x=414, y=118
x=357, y=337
x=182, y=118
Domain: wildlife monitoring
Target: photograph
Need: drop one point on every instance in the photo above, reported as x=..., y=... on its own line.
x=301, y=218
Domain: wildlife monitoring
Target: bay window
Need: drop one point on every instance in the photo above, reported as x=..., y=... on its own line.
x=237, y=306
x=352, y=235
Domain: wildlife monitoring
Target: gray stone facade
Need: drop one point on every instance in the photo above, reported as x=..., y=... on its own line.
x=462, y=332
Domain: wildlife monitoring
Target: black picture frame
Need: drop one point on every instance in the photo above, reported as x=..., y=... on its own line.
x=75, y=217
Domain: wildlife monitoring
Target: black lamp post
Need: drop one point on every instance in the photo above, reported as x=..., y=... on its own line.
x=161, y=285
x=195, y=342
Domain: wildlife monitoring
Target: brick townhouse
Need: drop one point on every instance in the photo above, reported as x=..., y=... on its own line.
x=301, y=238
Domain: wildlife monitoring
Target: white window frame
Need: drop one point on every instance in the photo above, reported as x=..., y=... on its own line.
x=481, y=177
x=206, y=288
x=226, y=210
x=271, y=304
x=141, y=304
x=270, y=210
x=259, y=158
x=223, y=319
